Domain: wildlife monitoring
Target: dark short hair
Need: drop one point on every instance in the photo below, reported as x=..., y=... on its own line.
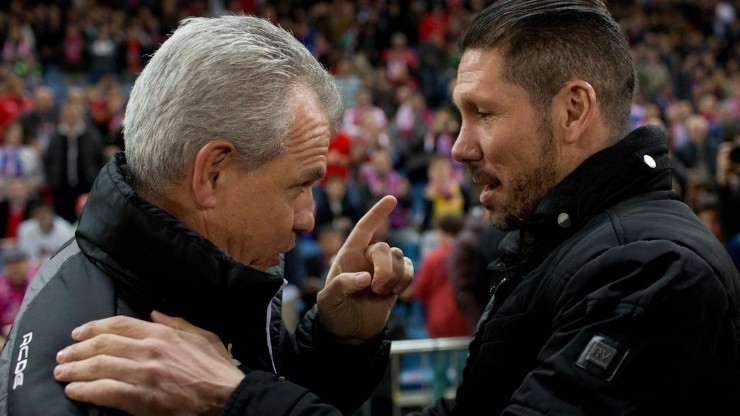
x=547, y=43
x=450, y=223
x=14, y=255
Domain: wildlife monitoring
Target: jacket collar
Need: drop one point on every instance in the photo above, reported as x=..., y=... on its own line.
x=160, y=263
x=637, y=164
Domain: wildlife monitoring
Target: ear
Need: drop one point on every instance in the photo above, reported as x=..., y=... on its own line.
x=578, y=108
x=211, y=162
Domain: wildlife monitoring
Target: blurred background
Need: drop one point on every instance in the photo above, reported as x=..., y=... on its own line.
x=67, y=66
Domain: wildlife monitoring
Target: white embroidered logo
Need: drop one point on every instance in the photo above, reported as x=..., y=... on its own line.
x=22, y=360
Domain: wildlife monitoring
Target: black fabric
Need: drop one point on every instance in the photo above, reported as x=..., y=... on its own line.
x=130, y=257
x=629, y=270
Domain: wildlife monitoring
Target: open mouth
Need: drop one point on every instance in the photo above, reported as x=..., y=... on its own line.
x=491, y=186
x=487, y=182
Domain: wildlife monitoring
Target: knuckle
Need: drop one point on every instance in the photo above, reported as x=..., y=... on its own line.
x=100, y=342
x=211, y=337
x=153, y=372
x=155, y=348
x=380, y=247
x=94, y=366
x=118, y=322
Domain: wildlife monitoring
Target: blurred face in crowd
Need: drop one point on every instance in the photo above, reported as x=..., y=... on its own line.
x=266, y=207
x=17, y=191
x=44, y=98
x=507, y=147
x=13, y=134
x=72, y=115
x=363, y=98
x=44, y=215
x=330, y=241
x=382, y=163
x=16, y=271
x=14, y=85
x=710, y=218
x=335, y=188
x=698, y=129
x=440, y=170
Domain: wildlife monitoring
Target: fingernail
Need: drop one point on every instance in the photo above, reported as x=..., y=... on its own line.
x=362, y=278
x=76, y=332
x=70, y=389
x=61, y=355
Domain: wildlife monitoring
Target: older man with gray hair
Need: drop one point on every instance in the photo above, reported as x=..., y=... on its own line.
x=226, y=130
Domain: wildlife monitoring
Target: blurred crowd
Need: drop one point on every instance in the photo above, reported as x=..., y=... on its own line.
x=67, y=66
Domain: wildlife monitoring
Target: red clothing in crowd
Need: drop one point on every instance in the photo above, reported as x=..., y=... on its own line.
x=11, y=106
x=338, y=157
x=11, y=297
x=433, y=289
x=434, y=20
x=15, y=217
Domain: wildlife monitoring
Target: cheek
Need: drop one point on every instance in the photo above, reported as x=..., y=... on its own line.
x=275, y=219
x=517, y=148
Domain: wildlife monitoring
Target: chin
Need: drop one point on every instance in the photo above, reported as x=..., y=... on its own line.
x=264, y=264
x=499, y=222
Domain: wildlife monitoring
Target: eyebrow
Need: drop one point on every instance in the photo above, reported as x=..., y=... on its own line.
x=315, y=174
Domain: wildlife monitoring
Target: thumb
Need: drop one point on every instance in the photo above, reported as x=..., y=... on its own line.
x=342, y=311
x=346, y=284
x=343, y=286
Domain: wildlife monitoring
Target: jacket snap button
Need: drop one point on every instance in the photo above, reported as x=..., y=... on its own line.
x=649, y=161
x=564, y=220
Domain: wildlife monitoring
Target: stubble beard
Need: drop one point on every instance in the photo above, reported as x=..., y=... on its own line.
x=528, y=187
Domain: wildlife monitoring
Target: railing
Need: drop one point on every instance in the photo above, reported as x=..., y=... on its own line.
x=409, y=390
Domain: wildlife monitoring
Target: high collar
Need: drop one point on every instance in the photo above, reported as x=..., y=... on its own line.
x=636, y=165
x=160, y=263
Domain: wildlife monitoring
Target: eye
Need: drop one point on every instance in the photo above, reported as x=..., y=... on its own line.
x=304, y=187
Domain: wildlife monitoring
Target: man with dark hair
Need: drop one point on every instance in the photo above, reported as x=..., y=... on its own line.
x=610, y=296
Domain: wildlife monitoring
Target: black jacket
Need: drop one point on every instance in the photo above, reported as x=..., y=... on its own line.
x=90, y=159
x=613, y=300
x=130, y=257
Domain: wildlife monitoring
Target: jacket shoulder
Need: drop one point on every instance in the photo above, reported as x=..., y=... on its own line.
x=67, y=291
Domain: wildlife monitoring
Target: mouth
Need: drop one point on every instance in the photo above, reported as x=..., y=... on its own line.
x=487, y=180
x=489, y=183
x=486, y=194
x=491, y=186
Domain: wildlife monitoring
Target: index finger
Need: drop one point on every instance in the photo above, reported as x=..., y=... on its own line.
x=366, y=227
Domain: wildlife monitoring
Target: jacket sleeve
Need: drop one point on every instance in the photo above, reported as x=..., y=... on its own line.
x=320, y=376
x=263, y=393
x=343, y=375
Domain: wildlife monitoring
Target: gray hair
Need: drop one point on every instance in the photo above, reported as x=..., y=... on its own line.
x=230, y=77
x=547, y=43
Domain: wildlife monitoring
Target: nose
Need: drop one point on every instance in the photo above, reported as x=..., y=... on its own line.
x=466, y=148
x=303, y=220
